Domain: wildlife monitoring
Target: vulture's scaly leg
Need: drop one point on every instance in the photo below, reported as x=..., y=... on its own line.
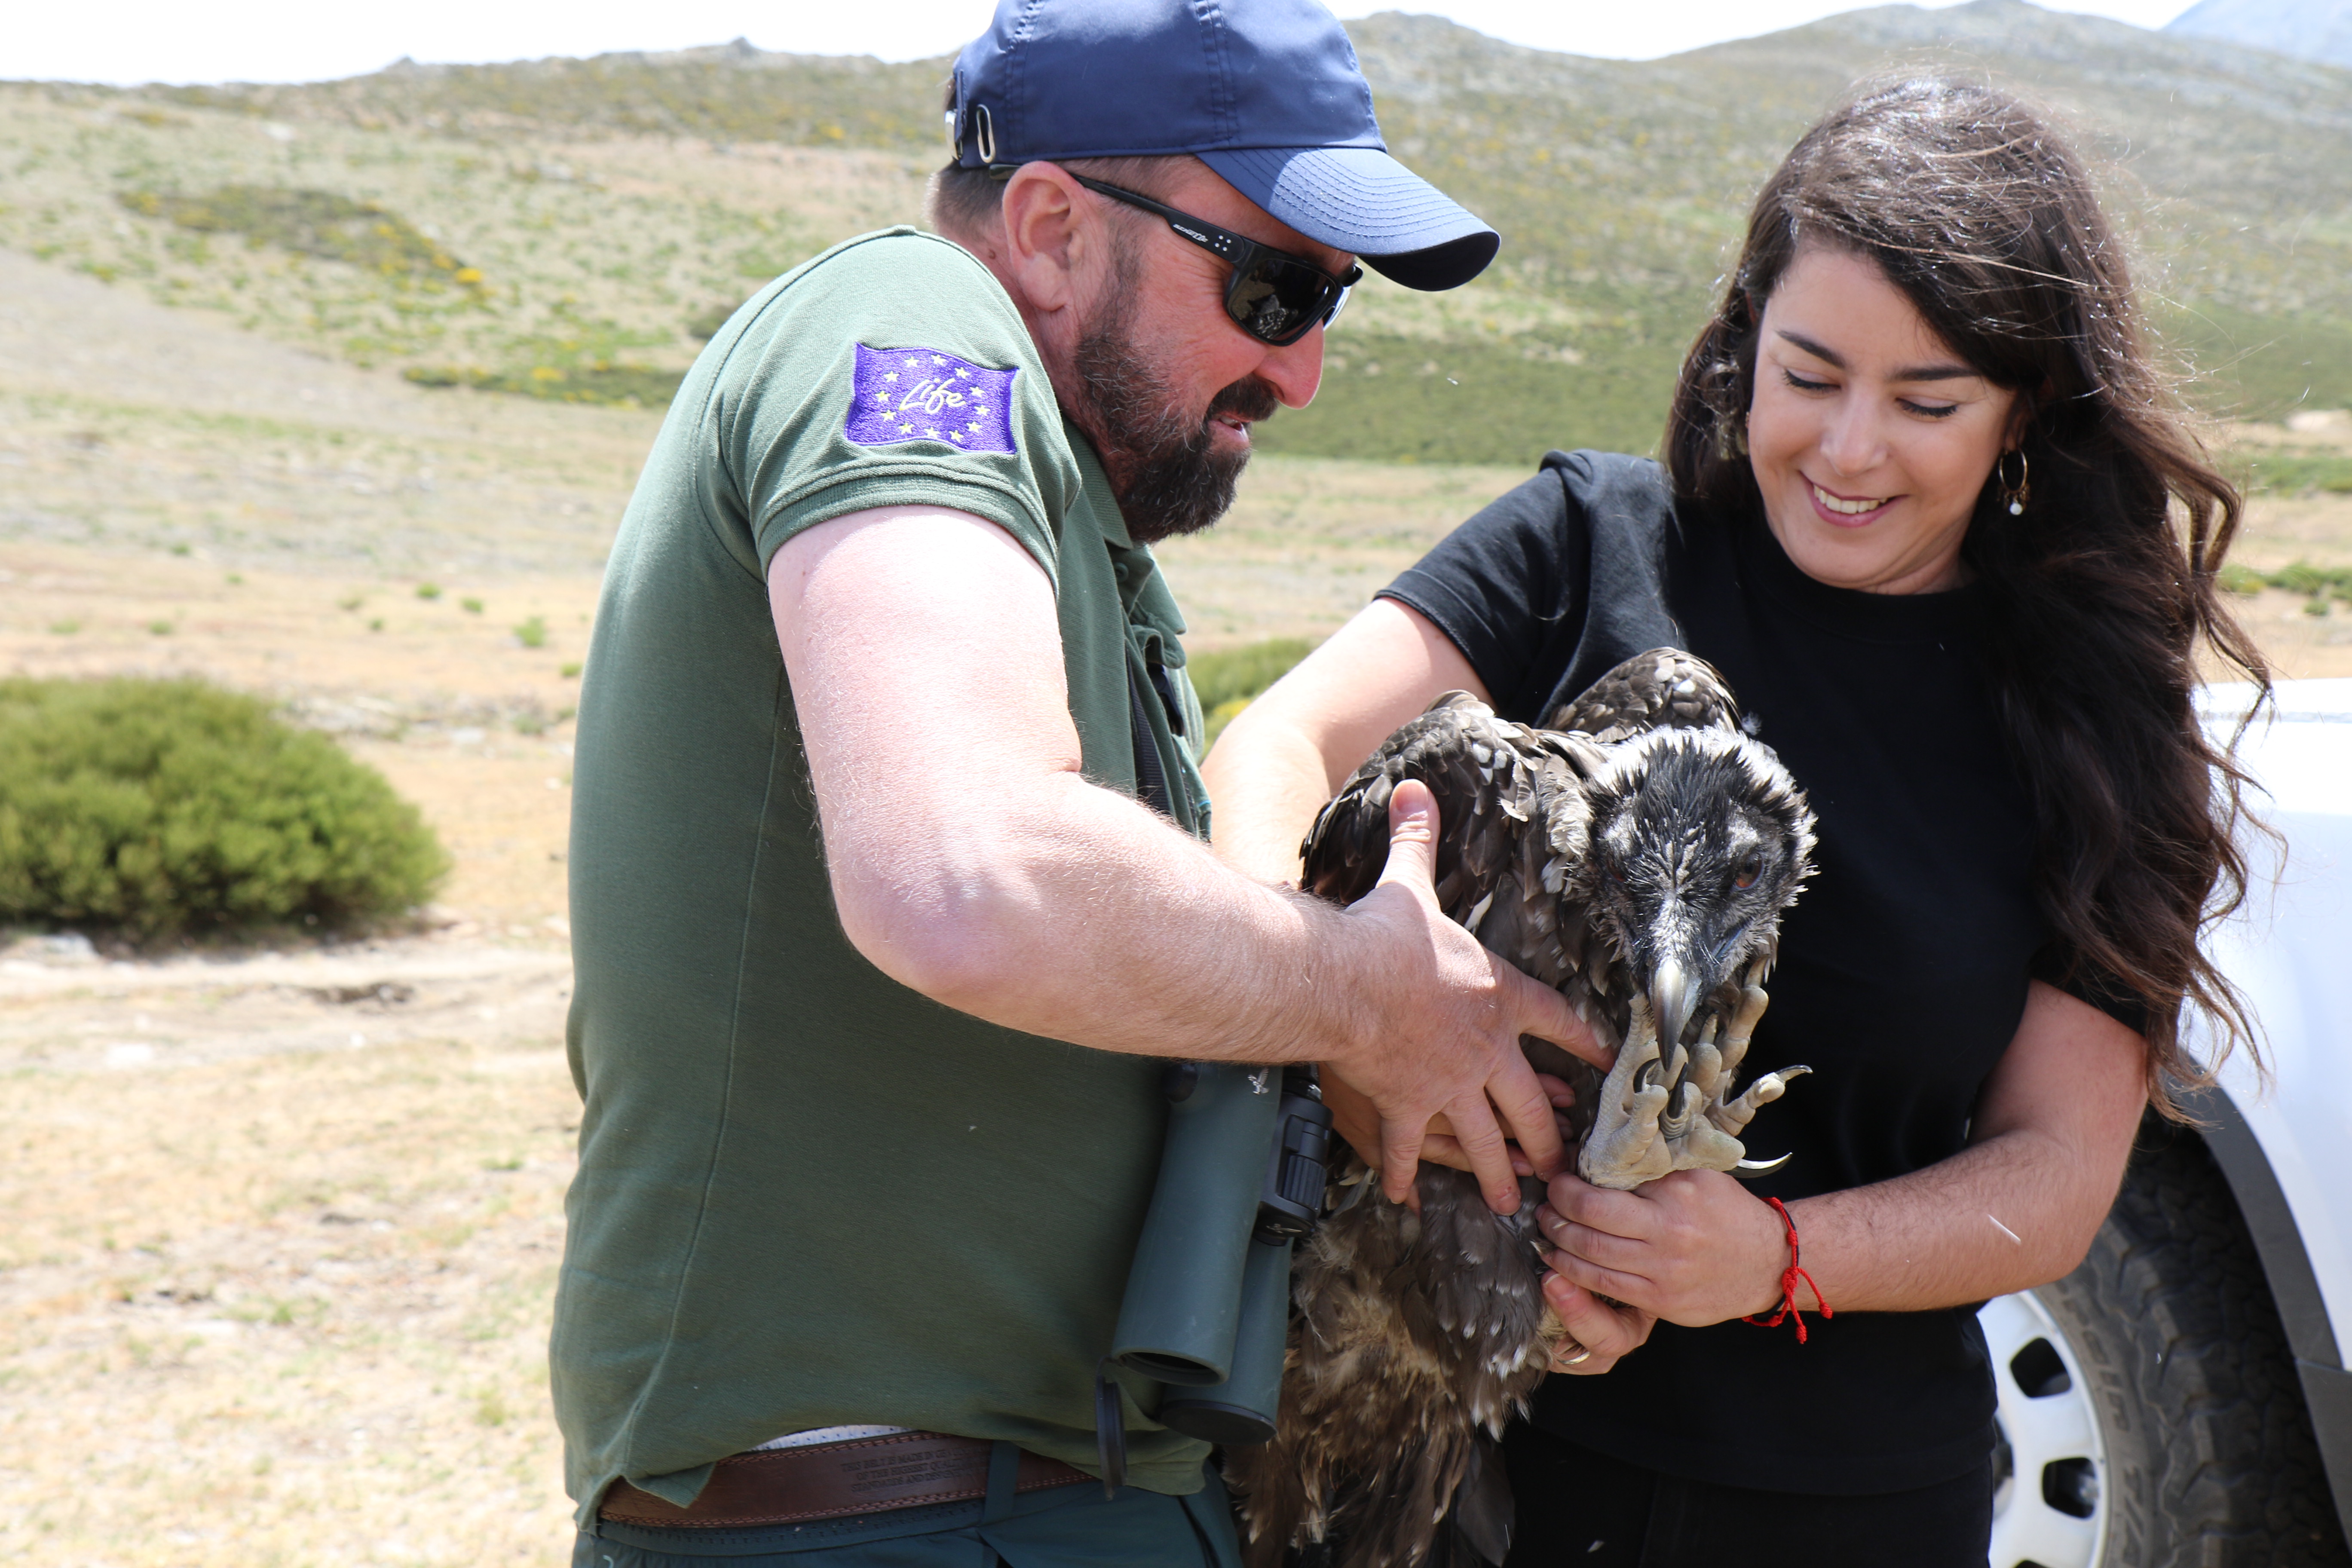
x=1733, y=1116
x=1699, y=1143
x=1624, y=1148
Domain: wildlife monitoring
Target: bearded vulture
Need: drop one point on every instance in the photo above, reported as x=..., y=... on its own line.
x=1635, y=852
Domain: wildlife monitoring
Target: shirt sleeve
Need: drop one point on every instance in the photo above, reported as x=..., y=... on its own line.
x=1498, y=584
x=2086, y=981
x=893, y=370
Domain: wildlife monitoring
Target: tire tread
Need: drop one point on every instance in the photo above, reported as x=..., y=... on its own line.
x=2213, y=1463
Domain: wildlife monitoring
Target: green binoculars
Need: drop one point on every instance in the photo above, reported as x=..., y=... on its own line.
x=1208, y=1296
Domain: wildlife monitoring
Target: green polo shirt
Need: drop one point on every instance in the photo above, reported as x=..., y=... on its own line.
x=807, y=1195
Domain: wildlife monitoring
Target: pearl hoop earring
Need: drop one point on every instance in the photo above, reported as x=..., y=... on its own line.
x=2021, y=494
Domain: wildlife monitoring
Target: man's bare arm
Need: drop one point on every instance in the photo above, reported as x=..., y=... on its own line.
x=971, y=861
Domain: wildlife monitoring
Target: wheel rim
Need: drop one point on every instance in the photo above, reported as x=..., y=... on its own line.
x=2051, y=1510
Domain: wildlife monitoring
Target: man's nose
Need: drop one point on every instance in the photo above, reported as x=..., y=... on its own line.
x=1295, y=371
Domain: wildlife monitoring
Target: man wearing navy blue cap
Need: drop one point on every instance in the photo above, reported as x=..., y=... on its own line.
x=887, y=875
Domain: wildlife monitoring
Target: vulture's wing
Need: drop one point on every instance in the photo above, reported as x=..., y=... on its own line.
x=1663, y=687
x=1497, y=786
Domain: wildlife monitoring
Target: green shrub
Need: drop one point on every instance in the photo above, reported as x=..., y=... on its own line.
x=2321, y=583
x=1226, y=680
x=164, y=808
x=532, y=633
x=316, y=222
x=1244, y=671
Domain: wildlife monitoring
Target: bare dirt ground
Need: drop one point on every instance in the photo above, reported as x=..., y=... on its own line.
x=282, y=1235
x=282, y=1226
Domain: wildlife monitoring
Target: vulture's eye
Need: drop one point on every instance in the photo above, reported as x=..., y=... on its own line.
x=1749, y=869
x=1617, y=872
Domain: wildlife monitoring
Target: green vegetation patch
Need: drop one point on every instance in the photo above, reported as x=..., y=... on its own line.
x=2321, y=586
x=314, y=223
x=1227, y=681
x=2260, y=367
x=634, y=387
x=1243, y=672
x=162, y=809
x=1394, y=399
x=2294, y=473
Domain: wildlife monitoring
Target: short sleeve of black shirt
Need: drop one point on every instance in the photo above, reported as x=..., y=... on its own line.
x=1903, y=968
x=1538, y=589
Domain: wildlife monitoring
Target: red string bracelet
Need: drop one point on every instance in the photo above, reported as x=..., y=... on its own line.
x=1788, y=1277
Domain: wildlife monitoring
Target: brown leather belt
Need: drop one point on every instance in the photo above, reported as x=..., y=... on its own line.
x=833, y=1480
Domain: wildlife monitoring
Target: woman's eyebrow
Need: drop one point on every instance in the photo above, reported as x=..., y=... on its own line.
x=1946, y=370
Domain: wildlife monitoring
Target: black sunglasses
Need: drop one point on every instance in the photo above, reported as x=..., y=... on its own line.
x=1275, y=297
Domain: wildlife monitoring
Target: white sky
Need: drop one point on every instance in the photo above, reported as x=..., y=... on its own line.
x=129, y=41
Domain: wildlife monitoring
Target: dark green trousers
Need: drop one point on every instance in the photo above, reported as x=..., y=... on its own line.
x=1066, y=1527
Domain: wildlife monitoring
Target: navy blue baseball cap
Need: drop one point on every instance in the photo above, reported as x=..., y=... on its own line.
x=1266, y=92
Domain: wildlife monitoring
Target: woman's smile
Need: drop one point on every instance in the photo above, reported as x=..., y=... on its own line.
x=1849, y=512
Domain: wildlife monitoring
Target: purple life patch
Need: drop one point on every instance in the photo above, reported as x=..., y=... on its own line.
x=922, y=395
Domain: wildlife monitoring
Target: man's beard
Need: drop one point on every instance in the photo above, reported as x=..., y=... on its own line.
x=1163, y=464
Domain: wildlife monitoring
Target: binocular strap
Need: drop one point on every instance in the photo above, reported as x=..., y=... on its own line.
x=1110, y=1431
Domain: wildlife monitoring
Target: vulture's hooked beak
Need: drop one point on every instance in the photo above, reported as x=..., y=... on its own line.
x=1674, y=998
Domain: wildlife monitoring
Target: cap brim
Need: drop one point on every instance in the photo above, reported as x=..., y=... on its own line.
x=1361, y=200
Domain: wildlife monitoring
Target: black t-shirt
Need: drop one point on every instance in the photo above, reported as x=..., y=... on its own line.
x=1903, y=966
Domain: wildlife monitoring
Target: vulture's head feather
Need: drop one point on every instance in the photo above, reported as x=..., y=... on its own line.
x=1699, y=839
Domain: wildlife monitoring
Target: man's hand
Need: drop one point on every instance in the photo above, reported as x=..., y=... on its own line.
x=1355, y=1118
x=1448, y=1023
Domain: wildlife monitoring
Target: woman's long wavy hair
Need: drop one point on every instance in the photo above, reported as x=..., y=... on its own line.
x=2097, y=596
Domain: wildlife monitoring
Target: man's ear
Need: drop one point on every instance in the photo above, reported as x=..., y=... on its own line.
x=1049, y=236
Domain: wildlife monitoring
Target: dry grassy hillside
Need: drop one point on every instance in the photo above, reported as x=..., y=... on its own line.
x=564, y=227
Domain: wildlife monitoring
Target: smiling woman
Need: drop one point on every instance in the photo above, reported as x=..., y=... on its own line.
x=1927, y=508
x=1933, y=258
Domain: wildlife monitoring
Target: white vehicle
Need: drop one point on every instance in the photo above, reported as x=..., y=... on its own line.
x=2184, y=1397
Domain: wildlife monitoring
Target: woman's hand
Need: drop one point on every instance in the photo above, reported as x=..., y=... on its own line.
x=1695, y=1247
x=1353, y=1114
x=1599, y=1333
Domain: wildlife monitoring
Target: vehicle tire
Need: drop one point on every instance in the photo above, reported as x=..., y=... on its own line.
x=2164, y=1352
